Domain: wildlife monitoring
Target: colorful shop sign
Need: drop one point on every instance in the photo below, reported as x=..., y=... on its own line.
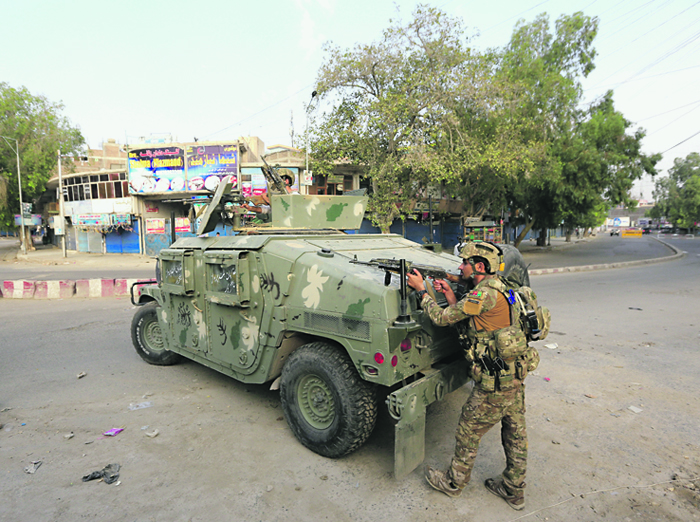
x=209, y=165
x=155, y=226
x=121, y=219
x=93, y=220
x=182, y=224
x=158, y=169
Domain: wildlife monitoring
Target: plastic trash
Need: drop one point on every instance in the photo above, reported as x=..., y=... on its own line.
x=140, y=405
x=113, y=432
x=110, y=474
x=31, y=469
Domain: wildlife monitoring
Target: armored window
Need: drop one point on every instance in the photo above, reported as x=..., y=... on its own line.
x=172, y=272
x=223, y=278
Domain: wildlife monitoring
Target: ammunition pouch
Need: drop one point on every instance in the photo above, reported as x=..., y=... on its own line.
x=500, y=357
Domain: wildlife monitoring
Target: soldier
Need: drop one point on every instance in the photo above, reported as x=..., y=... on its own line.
x=487, y=319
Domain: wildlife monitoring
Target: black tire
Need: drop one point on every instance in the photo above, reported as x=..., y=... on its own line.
x=515, y=269
x=148, y=338
x=329, y=408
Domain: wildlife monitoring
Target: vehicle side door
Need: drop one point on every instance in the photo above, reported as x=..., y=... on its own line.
x=233, y=309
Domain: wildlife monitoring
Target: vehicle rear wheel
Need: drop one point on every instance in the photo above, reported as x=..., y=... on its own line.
x=148, y=337
x=329, y=408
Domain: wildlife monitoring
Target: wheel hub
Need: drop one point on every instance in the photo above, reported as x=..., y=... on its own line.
x=153, y=336
x=316, y=402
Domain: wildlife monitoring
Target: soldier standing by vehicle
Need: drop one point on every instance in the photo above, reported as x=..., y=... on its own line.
x=499, y=356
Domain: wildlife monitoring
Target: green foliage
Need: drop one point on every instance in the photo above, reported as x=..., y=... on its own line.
x=40, y=130
x=590, y=159
x=498, y=129
x=678, y=195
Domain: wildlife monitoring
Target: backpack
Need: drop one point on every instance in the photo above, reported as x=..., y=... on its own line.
x=534, y=319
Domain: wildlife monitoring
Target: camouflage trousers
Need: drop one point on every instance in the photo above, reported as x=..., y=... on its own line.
x=480, y=413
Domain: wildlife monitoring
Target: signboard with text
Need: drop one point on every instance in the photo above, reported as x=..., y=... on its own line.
x=157, y=170
x=155, y=226
x=209, y=165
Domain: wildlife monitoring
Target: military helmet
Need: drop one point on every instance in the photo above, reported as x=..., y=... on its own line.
x=468, y=250
x=489, y=252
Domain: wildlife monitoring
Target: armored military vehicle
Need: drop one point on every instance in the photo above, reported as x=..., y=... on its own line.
x=324, y=315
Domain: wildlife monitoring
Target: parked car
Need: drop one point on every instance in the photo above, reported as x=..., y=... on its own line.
x=615, y=232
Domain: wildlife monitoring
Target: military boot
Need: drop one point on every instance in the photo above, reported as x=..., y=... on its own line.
x=441, y=481
x=498, y=488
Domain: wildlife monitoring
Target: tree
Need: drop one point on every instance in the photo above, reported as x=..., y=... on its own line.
x=678, y=195
x=40, y=130
x=590, y=160
x=600, y=161
x=546, y=69
x=393, y=118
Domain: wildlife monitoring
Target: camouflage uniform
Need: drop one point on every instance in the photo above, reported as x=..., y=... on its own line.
x=488, y=404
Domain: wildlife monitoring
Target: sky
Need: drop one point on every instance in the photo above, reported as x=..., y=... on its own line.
x=221, y=69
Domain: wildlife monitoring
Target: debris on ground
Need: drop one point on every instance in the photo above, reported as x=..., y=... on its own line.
x=31, y=469
x=81, y=375
x=109, y=474
x=152, y=434
x=140, y=405
x=113, y=432
x=634, y=409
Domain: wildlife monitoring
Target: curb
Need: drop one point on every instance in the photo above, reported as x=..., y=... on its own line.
x=81, y=288
x=677, y=254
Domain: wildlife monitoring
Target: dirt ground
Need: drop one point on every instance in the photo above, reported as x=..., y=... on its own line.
x=613, y=422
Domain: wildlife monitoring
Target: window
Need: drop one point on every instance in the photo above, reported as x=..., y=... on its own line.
x=223, y=278
x=98, y=186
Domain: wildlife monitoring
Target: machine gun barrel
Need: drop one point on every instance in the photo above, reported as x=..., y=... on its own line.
x=273, y=178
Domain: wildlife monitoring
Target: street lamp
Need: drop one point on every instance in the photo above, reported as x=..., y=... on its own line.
x=19, y=181
x=313, y=95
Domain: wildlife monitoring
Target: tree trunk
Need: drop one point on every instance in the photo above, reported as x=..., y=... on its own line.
x=27, y=239
x=542, y=239
x=568, y=235
x=523, y=233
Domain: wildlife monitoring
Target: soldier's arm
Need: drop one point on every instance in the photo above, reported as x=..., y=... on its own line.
x=442, y=316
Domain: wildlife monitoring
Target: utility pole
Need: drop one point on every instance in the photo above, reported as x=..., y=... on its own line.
x=19, y=181
x=313, y=95
x=61, y=217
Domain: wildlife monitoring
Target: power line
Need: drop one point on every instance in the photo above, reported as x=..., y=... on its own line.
x=516, y=16
x=670, y=110
x=673, y=121
x=617, y=84
x=681, y=142
x=658, y=60
x=261, y=111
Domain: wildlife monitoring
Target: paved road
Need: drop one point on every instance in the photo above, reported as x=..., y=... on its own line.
x=621, y=338
x=48, y=263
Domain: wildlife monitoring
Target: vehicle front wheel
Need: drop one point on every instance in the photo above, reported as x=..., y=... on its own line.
x=148, y=337
x=329, y=408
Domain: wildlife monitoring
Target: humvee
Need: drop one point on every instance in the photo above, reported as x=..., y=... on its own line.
x=324, y=315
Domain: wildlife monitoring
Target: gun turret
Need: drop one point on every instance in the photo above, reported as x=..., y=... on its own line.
x=273, y=178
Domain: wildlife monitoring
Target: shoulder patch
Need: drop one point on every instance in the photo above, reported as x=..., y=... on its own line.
x=473, y=303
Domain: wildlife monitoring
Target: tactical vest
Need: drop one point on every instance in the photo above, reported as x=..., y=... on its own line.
x=501, y=355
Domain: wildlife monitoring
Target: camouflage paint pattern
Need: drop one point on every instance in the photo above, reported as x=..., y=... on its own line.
x=453, y=314
x=242, y=304
x=480, y=413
